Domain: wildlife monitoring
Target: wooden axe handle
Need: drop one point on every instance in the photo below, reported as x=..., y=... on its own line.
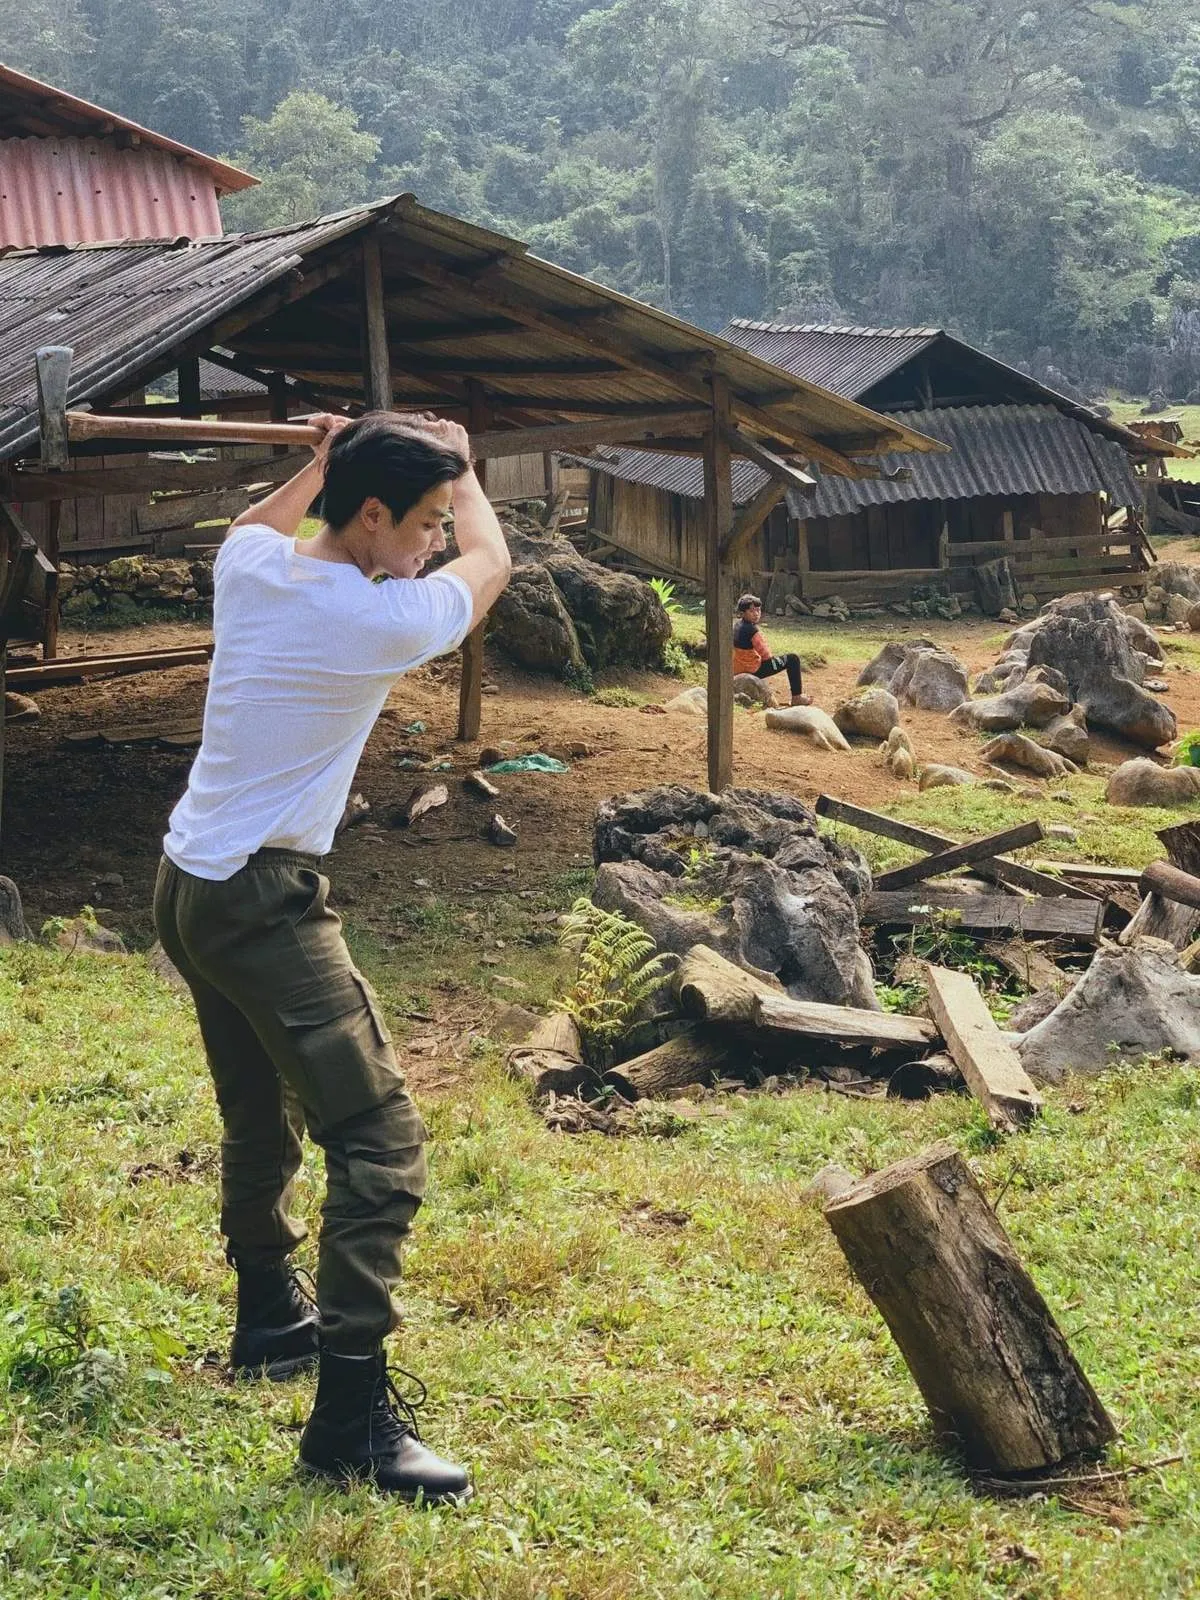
x=88, y=425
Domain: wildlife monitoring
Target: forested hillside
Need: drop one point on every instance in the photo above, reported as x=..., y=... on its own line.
x=1026, y=172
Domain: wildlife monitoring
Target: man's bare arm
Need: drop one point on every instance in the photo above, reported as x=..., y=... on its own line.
x=483, y=562
x=285, y=508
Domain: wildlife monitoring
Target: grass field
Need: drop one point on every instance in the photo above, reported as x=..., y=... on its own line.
x=1130, y=410
x=649, y=1349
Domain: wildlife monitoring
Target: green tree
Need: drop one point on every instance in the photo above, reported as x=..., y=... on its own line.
x=312, y=157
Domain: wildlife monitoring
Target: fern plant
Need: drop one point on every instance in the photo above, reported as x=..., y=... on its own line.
x=618, y=973
x=665, y=590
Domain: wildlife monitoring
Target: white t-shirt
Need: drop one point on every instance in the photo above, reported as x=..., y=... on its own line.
x=305, y=654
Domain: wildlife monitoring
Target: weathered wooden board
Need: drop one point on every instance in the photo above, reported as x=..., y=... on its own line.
x=841, y=1024
x=987, y=913
x=986, y=1060
x=961, y=855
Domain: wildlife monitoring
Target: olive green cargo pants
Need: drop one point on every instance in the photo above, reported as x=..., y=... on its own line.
x=294, y=1036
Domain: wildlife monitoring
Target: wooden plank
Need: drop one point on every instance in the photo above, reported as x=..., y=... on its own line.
x=185, y=510
x=986, y=1060
x=1012, y=873
x=985, y=848
x=66, y=670
x=987, y=913
x=718, y=598
x=771, y=463
x=1090, y=871
x=813, y=1019
x=27, y=488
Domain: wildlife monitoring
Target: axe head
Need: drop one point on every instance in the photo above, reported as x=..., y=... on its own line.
x=53, y=376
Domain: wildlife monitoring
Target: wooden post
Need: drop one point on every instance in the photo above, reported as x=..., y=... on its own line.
x=718, y=598
x=50, y=629
x=470, y=689
x=1154, y=472
x=997, y=1375
x=377, y=365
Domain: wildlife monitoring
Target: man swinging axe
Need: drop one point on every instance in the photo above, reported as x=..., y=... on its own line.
x=307, y=646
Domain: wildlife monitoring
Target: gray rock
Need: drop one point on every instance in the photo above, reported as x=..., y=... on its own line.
x=939, y=776
x=1132, y=1001
x=1142, y=782
x=755, y=690
x=81, y=936
x=920, y=673
x=1093, y=644
x=1030, y=1012
x=1033, y=705
x=691, y=702
x=12, y=916
x=1068, y=736
x=1021, y=752
x=872, y=712
x=532, y=625
x=811, y=722
x=619, y=620
x=771, y=895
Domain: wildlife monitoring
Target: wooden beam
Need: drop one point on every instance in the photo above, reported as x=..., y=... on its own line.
x=189, y=387
x=1090, y=871
x=986, y=1060
x=470, y=687
x=773, y=465
x=1160, y=877
x=377, y=366
x=986, y=913
x=635, y=427
x=842, y=1024
x=961, y=855
x=751, y=517
x=67, y=669
x=607, y=341
x=50, y=631
x=999, y=871
x=28, y=488
x=718, y=599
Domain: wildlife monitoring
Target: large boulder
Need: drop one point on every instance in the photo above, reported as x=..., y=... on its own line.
x=745, y=872
x=532, y=625
x=1031, y=704
x=1133, y=1001
x=620, y=620
x=1103, y=655
x=1142, y=782
x=873, y=712
x=919, y=673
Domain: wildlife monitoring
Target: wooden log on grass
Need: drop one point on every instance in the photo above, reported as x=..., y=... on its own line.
x=813, y=1019
x=987, y=1061
x=1160, y=877
x=550, y=1058
x=714, y=989
x=999, y=1378
x=695, y=1056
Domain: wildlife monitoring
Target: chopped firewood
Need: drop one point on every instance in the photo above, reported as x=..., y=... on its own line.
x=1160, y=877
x=499, y=832
x=841, y=1024
x=358, y=809
x=716, y=990
x=960, y=855
x=997, y=1374
x=550, y=1058
x=987, y=913
x=986, y=1060
x=137, y=733
x=476, y=783
x=425, y=797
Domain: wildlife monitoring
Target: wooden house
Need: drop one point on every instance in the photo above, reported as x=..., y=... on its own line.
x=1030, y=475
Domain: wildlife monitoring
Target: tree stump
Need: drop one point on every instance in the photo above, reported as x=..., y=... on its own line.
x=551, y=1060
x=997, y=1375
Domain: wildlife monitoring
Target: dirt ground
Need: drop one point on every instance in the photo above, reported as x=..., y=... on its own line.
x=74, y=814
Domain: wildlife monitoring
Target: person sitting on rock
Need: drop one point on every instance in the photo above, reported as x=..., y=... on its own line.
x=752, y=653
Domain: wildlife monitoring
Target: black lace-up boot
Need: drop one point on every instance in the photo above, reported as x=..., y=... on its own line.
x=361, y=1429
x=278, y=1327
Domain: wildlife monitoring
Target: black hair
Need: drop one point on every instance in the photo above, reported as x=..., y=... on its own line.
x=748, y=600
x=382, y=455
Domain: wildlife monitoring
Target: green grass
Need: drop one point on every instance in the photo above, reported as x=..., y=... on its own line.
x=698, y=1406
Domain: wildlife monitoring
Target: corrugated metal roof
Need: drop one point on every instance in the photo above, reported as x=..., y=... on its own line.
x=540, y=339
x=221, y=383
x=28, y=106
x=847, y=360
x=81, y=191
x=994, y=450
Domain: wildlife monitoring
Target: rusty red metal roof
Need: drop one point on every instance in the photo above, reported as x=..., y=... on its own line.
x=30, y=107
x=84, y=191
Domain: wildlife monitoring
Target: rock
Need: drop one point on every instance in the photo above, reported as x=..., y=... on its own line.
x=1136, y=609
x=1059, y=830
x=811, y=722
x=882, y=668
x=1098, y=649
x=12, y=916
x=1000, y=785
x=938, y=776
x=827, y=1184
x=1142, y=782
x=1033, y=1010
x=1193, y=618
x=1047, y=675
x=20, y=707
x=532, y=625
x=499, y=832
x=873, y=712
x=783, y=898
x=1068, y=735
x=692, y=702
x=84, y=936
x=1029, y=602
x=619, y=620
x=1178, y=608
x=995, y=587
x=512, y=1024
x=902, y=763
x=1133, y=1001
x=357, y=809
x=1008, y=615
x=932, y=680
x=1175, y=577
x=747, y=687
x=1021, y=752
x=1031, y=705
